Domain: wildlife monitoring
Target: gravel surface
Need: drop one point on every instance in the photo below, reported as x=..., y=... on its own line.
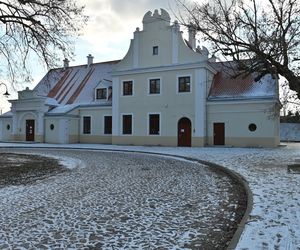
x=121, y=201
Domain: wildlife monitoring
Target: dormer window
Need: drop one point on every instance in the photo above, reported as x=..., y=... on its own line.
x=155, y=50
x=101, y=94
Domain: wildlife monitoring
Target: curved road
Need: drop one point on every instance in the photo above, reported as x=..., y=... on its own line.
x=122, y=201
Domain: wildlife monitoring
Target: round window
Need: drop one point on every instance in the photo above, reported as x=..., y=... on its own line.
x=52, y=126
x=252, y=127
x=8, y=127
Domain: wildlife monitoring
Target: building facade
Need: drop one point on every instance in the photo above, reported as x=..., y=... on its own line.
x=165, y=91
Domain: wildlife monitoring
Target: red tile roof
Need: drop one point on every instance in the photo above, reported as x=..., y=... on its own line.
x=226, y=86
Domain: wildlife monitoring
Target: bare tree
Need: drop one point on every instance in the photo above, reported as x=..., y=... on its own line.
x=288, y=98
x=36, y=28
x=261, y=36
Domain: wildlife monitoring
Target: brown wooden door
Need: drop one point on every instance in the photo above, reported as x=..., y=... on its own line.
x=184, y=132
x=219, y=134
x=29, y=130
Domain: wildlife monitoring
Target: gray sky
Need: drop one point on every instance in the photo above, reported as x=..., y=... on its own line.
x=111, y=26
x=107, y=34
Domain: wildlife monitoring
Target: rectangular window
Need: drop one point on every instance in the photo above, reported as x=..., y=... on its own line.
x=107, y=125
x=86, y=124
x=101, y=94
x=127, y=87
x=155, y=50
x=127, y=124
x=184, y=84
x=154, y=86
x=154, y=124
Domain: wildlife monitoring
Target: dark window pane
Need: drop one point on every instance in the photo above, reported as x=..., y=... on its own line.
x=154, y=124
x=86, y=124
x=184, y=84
x=127, y=124
x=127, y=87
x=101, y=94
x=154, y=86
x=155, y=50
x=107, y=125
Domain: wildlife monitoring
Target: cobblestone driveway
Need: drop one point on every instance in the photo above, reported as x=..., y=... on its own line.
x=122, y=201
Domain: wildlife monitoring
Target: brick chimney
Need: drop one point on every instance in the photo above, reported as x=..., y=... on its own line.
x=89, y=60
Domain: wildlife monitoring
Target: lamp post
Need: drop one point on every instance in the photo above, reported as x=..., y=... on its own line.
x=6, y=94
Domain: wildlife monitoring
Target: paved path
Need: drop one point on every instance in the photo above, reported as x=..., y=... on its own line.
x=121, y=200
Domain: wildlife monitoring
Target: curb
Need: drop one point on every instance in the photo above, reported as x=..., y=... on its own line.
x=238, y=177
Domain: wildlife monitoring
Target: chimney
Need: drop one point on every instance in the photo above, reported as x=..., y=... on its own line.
x=192, y=36
x=89, y=60
x=66, y=63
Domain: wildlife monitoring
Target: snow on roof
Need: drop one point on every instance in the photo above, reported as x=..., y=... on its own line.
x=63, y=109
x=74, y=84
x=7, y=114
x=51, y=102
x=226, y=86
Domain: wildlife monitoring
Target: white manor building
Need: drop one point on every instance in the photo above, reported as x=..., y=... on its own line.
x=165, y=91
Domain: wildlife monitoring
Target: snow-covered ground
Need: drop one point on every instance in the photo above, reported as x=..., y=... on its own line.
x=121, y=201
x=274, y=222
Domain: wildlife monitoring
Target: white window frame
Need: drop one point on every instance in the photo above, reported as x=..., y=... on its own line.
x=122, y=83
x=177, y=84
x=148, y=123
x=132, y=127
x=160, y=86
x=104, y=98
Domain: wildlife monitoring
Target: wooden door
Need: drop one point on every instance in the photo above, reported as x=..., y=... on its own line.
x=219, y=134
x=184, y=134
x=29, y=130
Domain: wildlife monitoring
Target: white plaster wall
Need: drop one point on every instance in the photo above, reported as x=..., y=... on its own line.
x=97, y=119
x=238, y=115
x=5, y=133
x=169, y=103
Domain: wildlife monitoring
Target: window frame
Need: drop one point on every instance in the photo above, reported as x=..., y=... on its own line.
x=122, y=87
x=149, y=85
x=106, y=93
x=88, y=130
x=122, y=127
x=178, y=84
x=149, y=125
x=104, y=125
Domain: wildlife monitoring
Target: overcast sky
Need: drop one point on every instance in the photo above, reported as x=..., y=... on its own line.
x=111, y=26
x=107, y=34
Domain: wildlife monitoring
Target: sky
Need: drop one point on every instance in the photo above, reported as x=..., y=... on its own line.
x=106, y=36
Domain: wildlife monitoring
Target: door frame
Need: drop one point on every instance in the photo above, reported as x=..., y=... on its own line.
x=184, y=132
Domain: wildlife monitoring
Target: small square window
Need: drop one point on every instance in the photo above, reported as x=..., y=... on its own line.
x=127, y=87
x=155, y=50
x=101, y=94
x=154, y=86
x=184, y=84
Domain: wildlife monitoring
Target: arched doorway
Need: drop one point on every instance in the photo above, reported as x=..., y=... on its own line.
x=30, y=130
x=184, y=132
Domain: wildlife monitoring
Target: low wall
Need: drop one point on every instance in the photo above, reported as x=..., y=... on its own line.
x=290, y=132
